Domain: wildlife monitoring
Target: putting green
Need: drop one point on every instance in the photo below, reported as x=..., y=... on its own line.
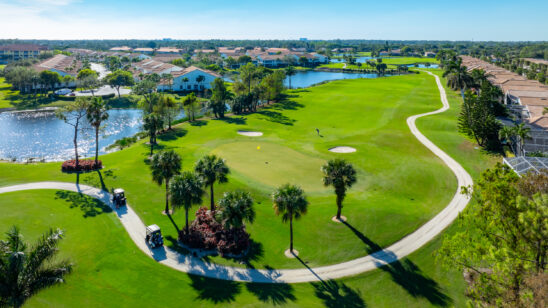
x=270, y=164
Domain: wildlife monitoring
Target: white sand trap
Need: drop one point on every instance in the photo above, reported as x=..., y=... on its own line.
x=250, y=134
x=342, y=150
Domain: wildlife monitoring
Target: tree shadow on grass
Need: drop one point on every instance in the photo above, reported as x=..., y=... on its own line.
x=91, y=207
x=287, y=105
x=337, y=295
x=215, y=290
x=198, y=123
x=173, y=134
x=272, y=293
x=234, y=120
x=276, y=117
x=404, y=272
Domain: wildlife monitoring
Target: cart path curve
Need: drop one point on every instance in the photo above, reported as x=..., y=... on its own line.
x=192, y=265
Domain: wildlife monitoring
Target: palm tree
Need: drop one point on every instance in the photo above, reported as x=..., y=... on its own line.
x=96, y=113
x=290, y=71
x=457, y=75
x=186, y=190
x=164, y=166
x=290, y=202
x=189, y=102
x=212, y=169
x=234, y=208
x=24, y=271
x=200, y=79
x=507, y=133
x=341, y=175
x=522, y=132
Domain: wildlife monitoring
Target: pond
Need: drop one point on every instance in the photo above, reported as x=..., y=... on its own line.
x=304, y=79
x=40, y=135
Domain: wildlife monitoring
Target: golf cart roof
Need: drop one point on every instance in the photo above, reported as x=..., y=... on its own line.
x=118, y=191
x=153, y=228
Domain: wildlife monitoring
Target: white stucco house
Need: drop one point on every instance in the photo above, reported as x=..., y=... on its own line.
x=189, y=79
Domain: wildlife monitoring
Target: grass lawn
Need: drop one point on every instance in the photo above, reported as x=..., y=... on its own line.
x=392, y=63
x=400, y=186
x=110, y=271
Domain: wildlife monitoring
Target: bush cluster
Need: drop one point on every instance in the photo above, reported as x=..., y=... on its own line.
x=206, y=233
x=83, y=165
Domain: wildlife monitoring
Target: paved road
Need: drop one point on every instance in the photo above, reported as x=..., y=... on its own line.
x=186, y=263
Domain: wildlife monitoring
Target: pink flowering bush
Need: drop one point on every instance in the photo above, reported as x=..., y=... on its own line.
x=83, y=165
x=207, y=233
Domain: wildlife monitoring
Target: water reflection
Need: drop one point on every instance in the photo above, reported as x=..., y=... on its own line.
x=305, y=79
x=40, y=135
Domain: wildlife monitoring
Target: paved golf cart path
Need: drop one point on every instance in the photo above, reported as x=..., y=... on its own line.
x=186, y=263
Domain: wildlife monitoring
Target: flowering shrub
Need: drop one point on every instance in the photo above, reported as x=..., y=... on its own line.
x=207, y=233
x=83, y=165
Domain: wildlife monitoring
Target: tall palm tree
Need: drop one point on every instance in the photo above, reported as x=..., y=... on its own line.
x=522, y=132
x=96, y=113
x=212, y=169
x=457, y=75
x=24, y=271
x=186, y=190
x=164, y=166
x=290, y=71
x=341, y=175
x=189, y=102
x=290, y=202
x=234, y=208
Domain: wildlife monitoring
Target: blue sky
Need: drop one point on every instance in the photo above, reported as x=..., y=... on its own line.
x=500, y=20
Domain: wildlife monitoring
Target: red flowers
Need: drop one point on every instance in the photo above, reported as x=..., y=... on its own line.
x=207, y=233
x=83, y=165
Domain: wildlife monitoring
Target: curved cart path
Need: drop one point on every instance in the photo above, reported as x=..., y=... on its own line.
x=186, y=263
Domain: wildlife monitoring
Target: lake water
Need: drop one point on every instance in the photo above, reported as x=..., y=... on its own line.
x=304, y=79
x=41, y=135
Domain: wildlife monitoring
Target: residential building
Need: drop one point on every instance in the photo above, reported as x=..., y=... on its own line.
x=16, y=52
x=122, y=49
x=430, y=54
x=525, y=99
x=61, y=64
x=189, y=79
x=144, y=50
x=154, y=67
x=168, y=50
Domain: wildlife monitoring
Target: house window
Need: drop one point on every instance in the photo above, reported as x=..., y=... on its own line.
x=189, y=87
x=180, y=88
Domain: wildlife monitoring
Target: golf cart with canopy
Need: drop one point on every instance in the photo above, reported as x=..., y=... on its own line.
x=154, y=236
x=119, y=197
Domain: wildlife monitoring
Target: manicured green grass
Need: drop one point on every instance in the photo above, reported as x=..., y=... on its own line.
x=124, y=276
x=400, y=185
x=392, y=63
x=110, y=271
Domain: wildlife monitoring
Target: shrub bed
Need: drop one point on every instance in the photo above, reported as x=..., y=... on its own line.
x=206, y=233
x=83, y=165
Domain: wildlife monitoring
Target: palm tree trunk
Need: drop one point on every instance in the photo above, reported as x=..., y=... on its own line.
x=291, y=234
x=167, y=196
x=339, y=207
x=76, y=145
x=186, y=218
x=212, y=197
x=96, y=145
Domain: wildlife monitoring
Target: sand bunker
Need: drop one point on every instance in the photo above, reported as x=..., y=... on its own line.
x=250, y=134
x=342, y=150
